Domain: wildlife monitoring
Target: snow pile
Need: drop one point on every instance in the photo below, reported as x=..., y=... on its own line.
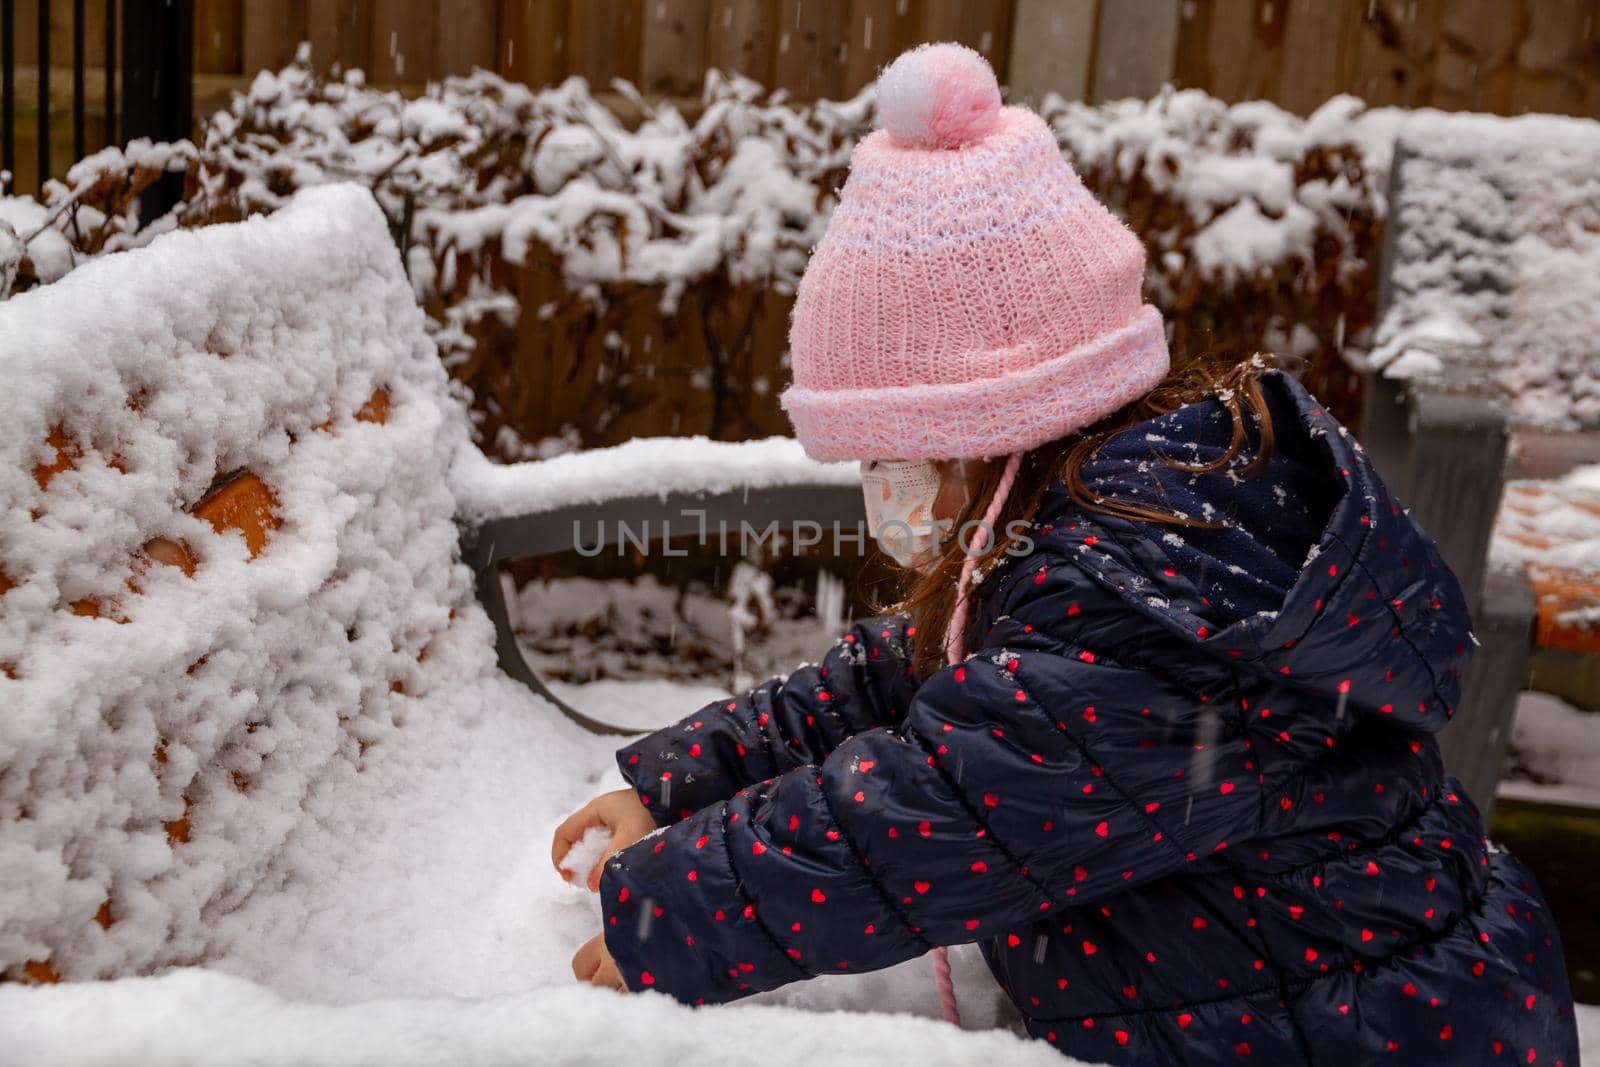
x=1255, y=185
x=1555, y=753
x=1497, y=262
x=487, y=171
x=201, y=1019
x=168, y=738
x=25, y=230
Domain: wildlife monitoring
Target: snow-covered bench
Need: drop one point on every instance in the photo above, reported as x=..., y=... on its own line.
x=227, y=551
x=1487, y=352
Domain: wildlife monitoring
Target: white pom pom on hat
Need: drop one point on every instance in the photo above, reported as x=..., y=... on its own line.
x=938, y=96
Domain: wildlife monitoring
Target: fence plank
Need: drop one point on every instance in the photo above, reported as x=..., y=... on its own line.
x=1051, y=41
x=1134, y=45
x=741, y=38
x=272, y=28
x=468, y=36
x=1233, y=47
x=218, y=37
x=26, y=30
x=806, y=60
x=340, y=32
x=672, y=55
x=1394, y=60
x=1556, y=62
x=984, y=25
x=533, y=41
x=604, y=39
x=879, y=30
x=403, y=35
x=1322, y=38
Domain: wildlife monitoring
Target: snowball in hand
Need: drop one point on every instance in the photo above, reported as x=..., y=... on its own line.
x=585, y=853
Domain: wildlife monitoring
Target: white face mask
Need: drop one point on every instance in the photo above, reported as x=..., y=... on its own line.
x=900, y=497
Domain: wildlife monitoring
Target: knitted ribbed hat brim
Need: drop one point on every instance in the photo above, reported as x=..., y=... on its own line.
x=985, y=417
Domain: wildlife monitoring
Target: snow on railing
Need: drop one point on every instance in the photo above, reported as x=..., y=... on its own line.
x=659, y=467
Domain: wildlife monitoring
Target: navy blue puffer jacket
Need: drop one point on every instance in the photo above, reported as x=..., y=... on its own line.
x=1186, y=795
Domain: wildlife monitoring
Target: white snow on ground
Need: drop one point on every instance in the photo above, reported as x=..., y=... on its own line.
x=1559, y=747
x=368, y=801
x=437, y=931
x=203, y=1018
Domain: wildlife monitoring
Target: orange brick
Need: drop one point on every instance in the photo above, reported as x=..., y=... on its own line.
x=6, y=584
x=103, y=916
x=172, y=553
x=88, y=607
x=1560, y=592
x=243, y=504
x=178, y=829
x=66, y=455
x=376, y=409
x=40, y=972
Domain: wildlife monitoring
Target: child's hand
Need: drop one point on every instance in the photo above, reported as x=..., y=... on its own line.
x=593, y=964
x=621, y=812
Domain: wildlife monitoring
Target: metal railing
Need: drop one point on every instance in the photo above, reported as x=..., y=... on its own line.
x=487, y=544
x=156, y=39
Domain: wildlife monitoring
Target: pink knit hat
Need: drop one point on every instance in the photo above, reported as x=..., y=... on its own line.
x=970, y=298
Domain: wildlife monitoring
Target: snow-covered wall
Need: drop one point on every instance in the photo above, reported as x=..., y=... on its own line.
x=167, y=738
x=1496, y=253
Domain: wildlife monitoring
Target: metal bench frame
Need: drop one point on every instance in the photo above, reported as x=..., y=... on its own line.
x=486, y=545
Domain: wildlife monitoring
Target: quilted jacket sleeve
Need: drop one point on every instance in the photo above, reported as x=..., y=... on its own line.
x=863, y=682
x=988, y=808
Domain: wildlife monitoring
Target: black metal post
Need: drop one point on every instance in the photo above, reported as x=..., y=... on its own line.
x=43, y=127
x=8, y=87
x=158, y=84
x=78, y=62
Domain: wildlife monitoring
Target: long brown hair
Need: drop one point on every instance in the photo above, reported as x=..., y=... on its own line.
x=929, y=594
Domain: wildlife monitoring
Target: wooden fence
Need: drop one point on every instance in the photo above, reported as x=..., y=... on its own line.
x=1500, y=56
x=812, y=48
x=1505, y=57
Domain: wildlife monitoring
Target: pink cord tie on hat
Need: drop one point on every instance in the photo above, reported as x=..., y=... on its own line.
x=955, y=651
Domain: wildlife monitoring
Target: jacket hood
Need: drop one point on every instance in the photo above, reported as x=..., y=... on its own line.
x=1314, y=574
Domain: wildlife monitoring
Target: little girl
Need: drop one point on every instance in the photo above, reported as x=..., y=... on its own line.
x=1157, y=727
